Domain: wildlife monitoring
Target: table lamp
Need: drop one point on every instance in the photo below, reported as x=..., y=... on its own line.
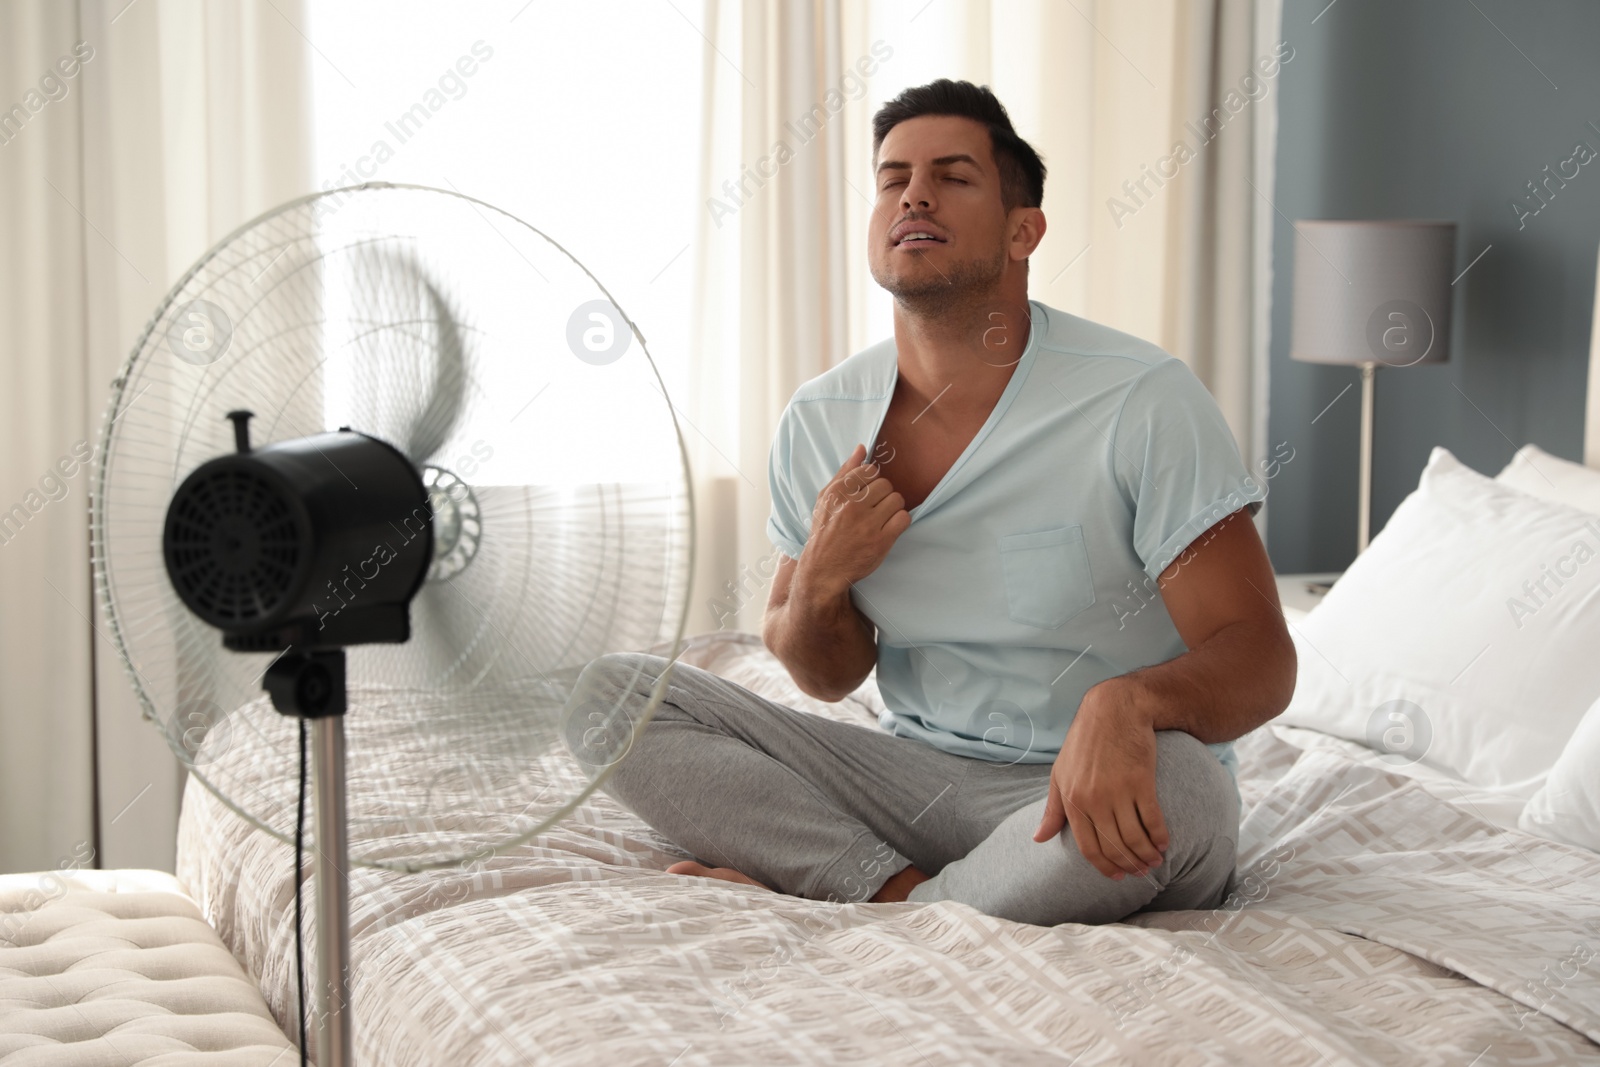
x=1369, y=293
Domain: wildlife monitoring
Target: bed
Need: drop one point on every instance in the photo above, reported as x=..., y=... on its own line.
x=1381, y=913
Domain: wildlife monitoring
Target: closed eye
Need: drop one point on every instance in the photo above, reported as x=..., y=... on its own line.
x=949, y=178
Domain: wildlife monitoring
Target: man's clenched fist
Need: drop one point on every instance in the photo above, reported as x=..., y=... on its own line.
x=858, y=517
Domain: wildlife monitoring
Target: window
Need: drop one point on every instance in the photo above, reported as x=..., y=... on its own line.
x=546, y=111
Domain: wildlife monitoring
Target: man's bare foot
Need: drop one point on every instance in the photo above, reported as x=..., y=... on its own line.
x=726, y=874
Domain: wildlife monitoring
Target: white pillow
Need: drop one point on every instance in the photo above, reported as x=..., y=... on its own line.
x=1436, y=644
x=1568, y=807
x=1537, y=472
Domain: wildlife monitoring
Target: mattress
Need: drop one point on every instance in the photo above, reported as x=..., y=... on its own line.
x=1376, y=920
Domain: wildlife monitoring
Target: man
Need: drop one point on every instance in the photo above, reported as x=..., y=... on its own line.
x=1048, y=558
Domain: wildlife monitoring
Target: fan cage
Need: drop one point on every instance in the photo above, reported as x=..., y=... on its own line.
x=126, y=391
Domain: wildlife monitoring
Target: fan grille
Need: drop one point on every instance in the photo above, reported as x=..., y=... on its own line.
x=233, y=546
x=445, y=327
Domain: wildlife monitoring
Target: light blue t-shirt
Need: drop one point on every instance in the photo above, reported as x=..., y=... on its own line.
x=1028, y=574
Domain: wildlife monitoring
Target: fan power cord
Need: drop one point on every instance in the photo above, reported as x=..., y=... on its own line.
x=299, y=928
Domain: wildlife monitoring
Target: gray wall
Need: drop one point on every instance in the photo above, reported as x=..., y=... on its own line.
x=1423, y=109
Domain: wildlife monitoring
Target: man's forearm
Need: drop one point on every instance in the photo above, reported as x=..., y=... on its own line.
x=828, y=646
x=1238, y=679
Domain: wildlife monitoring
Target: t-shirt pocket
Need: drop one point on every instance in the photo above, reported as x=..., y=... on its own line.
x=1046, y=575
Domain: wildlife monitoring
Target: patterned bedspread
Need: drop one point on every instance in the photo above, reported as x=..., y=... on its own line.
x=1376, y=921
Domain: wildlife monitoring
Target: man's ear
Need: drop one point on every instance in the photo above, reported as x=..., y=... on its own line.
x=1027, y=230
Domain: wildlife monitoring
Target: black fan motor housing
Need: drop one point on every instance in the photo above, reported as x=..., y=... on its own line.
x=316, y=542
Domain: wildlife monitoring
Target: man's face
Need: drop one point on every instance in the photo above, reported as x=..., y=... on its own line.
x=938, y=231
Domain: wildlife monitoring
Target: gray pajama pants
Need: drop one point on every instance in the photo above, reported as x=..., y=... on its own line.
x=829, y=811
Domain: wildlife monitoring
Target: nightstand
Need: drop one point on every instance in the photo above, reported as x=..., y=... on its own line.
x=1293, y=591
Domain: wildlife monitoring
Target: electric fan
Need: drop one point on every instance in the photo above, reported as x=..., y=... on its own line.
x=391, y=452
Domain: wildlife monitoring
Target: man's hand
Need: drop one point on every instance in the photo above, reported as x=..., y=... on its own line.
x=811, y=624
x=1103, y=785
x=857, y=519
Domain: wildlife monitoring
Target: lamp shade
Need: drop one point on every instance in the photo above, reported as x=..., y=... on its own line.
x=1372, y=291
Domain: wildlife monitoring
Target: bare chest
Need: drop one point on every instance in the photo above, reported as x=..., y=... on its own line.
x=915, y=451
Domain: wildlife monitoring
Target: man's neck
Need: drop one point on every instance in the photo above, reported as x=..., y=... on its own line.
x=962, y=358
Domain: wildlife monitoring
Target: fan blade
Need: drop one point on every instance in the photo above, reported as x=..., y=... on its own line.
x=446, y=399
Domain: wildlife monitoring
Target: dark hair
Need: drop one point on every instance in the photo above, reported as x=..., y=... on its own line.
x=1021, y=169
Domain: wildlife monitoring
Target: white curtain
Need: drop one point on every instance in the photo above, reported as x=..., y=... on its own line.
x=182, y=120
x=772, y=272
x=46, y=764
x=1105, y=90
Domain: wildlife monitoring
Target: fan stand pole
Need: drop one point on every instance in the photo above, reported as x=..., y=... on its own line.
x=312, y=685
x=333, y=892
